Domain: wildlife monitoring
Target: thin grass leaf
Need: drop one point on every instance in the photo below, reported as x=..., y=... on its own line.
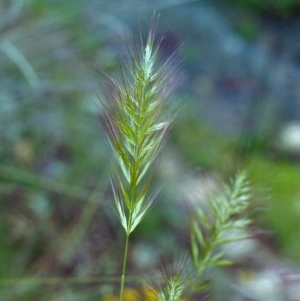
x=195, y=249
x=146, y=185
x=120, y=208
x=198, y=234
x=203, y=219
x=124, y=193
x=125, y=170
x=141, y=210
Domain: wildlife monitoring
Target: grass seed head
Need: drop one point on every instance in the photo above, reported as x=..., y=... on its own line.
x=136, y=123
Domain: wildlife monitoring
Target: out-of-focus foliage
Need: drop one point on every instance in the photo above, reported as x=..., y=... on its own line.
x=280, y=179
x=53, y=161
x=200, y=145
x=276, y=7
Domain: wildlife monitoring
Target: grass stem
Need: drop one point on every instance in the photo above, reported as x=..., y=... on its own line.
x=124, y=267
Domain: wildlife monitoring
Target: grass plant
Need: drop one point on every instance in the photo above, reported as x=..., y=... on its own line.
x=225, y=220
x=174, y=282
x=136, y=125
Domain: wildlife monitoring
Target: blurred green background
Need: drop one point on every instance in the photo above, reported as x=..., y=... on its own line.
x=56, y=218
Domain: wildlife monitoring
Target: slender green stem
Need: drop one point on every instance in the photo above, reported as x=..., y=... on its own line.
x=124, y=264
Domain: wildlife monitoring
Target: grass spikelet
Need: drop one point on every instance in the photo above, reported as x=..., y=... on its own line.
x=173, y=282
x=136, y=124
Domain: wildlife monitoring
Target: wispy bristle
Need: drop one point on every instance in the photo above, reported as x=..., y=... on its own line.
x=175, y=281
